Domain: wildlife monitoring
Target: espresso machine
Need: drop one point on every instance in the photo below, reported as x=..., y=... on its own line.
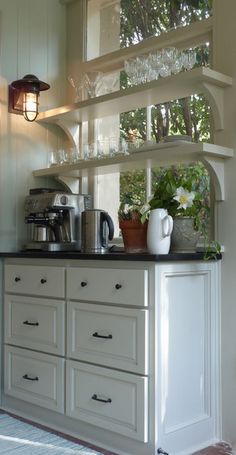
x=54, y=219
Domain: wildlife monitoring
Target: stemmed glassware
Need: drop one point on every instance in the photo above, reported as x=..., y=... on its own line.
x=161, y=63
x=93, y=81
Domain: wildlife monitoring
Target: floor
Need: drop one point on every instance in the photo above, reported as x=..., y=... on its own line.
x=217, y=449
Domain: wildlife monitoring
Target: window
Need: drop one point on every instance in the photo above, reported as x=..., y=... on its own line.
x=112, y=24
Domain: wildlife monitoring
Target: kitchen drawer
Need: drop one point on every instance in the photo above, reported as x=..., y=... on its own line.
x=33, y=377
x=110, y=399
x=35, y=323
x=110, y=336
x=120, y=286
x=36, y=280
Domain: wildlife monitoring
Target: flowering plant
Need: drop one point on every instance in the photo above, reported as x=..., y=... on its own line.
x=130, y=208
x=182, y=192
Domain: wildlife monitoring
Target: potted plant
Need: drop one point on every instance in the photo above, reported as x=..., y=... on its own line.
x=181, y=191
x=133, y=230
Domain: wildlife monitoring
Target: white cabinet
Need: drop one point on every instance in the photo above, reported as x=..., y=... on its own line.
x=112, y=399
x=39, y=280
x=140, y=361
x=36, y=323
x=34, y=377
x=110, y=336
x=108, y=285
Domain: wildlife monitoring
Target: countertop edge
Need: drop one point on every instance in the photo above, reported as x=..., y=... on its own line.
x=114, y=256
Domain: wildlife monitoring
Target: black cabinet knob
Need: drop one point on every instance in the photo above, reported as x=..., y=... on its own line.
x=118, y=286
x=17, y=278
x=43, y=281
x=83, y=284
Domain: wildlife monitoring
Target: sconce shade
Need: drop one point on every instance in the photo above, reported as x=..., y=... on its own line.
x=24, y=94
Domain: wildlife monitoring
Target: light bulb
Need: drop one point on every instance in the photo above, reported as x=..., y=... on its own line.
x=30, y=106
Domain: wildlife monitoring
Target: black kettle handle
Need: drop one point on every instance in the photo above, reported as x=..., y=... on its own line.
x=106, y=217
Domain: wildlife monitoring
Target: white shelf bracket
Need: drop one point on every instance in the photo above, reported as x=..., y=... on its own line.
x=215, y=167
x=215, y=96
x=72, y=130
x=71, y=183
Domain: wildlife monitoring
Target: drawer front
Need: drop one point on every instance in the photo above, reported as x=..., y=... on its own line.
x=33, y=377
x=35, y=323
x=37, y=280
x=110, y=399
x=125, y=287
x=110, y=336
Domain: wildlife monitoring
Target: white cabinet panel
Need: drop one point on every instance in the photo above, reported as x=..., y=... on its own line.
x=109, y=399
x=188, y=323
x=35, y=323
x=125, y=287
x=115, y=337
x=36, y=280
x=33, y=377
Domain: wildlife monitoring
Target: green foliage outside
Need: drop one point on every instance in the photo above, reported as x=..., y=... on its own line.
x=141, y=19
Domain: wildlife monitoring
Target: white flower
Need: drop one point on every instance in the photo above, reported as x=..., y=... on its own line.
x=145, y=208
x=184, y=197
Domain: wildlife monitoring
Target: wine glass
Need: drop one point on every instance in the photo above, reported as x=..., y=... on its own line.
x=189, y=59
x=77, y=83
x=92, y=82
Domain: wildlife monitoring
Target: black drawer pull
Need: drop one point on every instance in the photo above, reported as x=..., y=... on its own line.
x=29, y=378
x=43, y=281
x=31, y=323
x=17, y=278
x=102, y=400
x=83, y=284
x=118, y=286
x=106, y=337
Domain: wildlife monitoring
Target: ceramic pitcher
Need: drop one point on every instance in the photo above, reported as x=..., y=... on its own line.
x=160, y=226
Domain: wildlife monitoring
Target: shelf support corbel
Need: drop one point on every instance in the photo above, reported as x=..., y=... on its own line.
x=215, y=96
x=72, y=130
x=215, y=167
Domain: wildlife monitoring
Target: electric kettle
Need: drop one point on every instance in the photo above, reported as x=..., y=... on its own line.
x=97, y=229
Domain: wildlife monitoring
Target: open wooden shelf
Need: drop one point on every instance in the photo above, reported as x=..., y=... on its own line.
x=162, y=90
x=161, y=154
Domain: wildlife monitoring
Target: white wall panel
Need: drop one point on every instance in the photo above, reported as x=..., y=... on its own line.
x=33, y=40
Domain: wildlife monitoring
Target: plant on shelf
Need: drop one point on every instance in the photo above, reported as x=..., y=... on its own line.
x=183, y=192
x=134, y=231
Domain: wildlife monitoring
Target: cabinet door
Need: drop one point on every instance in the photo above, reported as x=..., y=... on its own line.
x=107, y=398
x=115, y=337
x=45, y=281
x=125, y=287
x=35, y=323
x=33, y=377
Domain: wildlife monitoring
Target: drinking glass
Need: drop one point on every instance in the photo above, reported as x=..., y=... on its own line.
x=93, y=82
x=110, y=82
x=177, y=64
x=78, y=85
x=189, y=59
x=130, y=69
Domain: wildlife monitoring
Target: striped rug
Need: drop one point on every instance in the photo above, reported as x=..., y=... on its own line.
x=20, y=438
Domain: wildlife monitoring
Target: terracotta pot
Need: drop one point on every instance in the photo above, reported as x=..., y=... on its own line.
x=134, y=235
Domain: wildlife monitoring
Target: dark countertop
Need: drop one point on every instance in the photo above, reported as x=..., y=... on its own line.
x=110, y=256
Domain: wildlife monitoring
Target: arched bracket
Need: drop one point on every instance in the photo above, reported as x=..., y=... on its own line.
x=215, y=168
x=215, y=96
x=71, y=128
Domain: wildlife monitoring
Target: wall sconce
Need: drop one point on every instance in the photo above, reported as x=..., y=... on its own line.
x=23, y=96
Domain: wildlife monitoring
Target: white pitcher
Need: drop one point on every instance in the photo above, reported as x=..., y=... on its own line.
x=160, y=226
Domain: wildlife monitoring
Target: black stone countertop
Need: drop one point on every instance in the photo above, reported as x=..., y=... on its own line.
x=110, y=256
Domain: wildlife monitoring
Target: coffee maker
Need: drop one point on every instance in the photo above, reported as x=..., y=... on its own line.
x=54, y=219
